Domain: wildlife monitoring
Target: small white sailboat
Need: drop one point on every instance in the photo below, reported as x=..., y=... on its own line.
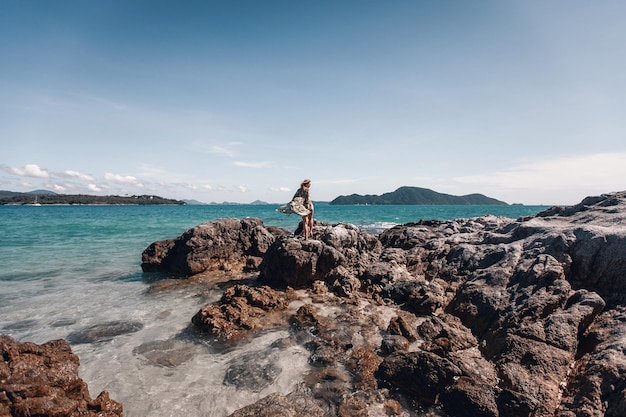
x=35, y=203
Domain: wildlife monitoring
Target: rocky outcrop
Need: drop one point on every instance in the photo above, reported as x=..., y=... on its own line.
x=42, y=380
x=336, y=251
x=240, y=310
x=230, y=245
x=472, y=317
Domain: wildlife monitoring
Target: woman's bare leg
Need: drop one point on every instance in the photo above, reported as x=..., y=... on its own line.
x=305, y=226
x=310, y=220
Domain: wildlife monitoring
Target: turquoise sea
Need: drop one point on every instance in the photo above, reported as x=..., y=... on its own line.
x=64, y=269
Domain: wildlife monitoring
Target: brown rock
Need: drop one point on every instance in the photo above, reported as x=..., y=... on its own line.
x=403, y=325
x=445, y=334
x=295, y=404
x=420, y=374
x=596, y=387
x=298, y=263
x=224, y=244
x=240, y=310
x=42, y=380
x=363, y=363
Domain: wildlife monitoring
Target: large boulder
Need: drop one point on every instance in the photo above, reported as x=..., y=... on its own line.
x=230, y=245
x=42, y=380
x=336, y=250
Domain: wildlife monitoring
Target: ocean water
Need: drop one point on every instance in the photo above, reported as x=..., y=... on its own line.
x=74, y=271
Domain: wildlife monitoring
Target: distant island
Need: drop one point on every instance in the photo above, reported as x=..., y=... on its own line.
x=42, y=197
x=417, y=196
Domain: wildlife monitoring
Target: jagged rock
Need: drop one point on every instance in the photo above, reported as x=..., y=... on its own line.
x=298, y=263
x=445, y=334
x=240, y=310
x=528, y=291
x=225, y=244
x=420, y=374
x=42, y=380
x=295, y=404
x=292, y=262
x=480, y=317
x=417, y=295
x=343, y=282
x=403, y=325
x=394, y=343
x=598, y=387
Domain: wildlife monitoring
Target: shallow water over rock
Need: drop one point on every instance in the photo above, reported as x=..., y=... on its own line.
x=103, y=331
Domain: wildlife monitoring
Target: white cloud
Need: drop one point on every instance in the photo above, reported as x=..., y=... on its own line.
x=227, y=149
x=263, y=164
x=221, y=150
x=280, y=189
x=242, y=189
x=340, y=181
x=123, y=179
x=29, y=170
x=573, y=177
x=76, y=174
x=57, y=188
x=94, y=188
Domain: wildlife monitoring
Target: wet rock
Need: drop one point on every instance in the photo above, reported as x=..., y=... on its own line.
x=222, y=245
x=296, y=404
x=253, y=371
x=42, y=380
x=168, y=353
x=405, y=325
x=103, y=331
x=394, y=343
x=241, y=309
x=420, y=374
x=363, y=363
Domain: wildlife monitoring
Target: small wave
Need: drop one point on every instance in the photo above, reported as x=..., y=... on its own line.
x=377, y=227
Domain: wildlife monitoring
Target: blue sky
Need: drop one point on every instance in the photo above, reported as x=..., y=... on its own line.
x=524, y=101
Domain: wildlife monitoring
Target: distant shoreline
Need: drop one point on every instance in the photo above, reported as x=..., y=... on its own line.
x=40, y=199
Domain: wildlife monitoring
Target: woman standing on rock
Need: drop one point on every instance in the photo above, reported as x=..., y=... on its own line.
x=302, y=205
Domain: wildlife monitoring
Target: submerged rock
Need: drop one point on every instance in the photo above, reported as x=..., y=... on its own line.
x=103, y=331
x=42, y=380
x=168, y=353
x=253, y=371
x=295, y=404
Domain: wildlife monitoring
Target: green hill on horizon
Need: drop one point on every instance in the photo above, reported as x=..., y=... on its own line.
x=417, y=196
